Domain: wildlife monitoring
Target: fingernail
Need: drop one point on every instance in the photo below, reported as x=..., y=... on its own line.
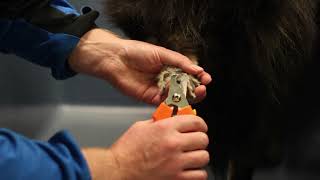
x=197, y=68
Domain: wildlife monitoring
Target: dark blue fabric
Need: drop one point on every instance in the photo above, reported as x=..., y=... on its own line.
x=57, y=159
x=19, y=37
x=38, y=46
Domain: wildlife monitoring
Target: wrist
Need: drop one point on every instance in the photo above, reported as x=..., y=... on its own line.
x=103, y=164
x=95, y=53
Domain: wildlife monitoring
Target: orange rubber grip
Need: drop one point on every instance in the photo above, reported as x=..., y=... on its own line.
x=187, y=111
x=164, y=111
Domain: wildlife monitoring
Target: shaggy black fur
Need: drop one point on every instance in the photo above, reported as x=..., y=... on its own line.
x=260, y=53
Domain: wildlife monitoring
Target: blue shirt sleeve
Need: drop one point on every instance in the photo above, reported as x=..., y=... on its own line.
x=46, y=34
x=38, y=46
x=57, y=159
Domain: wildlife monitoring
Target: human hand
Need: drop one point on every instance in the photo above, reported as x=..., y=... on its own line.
x=129, y=65
x=171, y=149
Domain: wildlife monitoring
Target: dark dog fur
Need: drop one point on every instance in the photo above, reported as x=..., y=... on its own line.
x=257, y=51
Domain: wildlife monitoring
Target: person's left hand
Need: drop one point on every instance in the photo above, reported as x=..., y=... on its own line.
x=131, y=66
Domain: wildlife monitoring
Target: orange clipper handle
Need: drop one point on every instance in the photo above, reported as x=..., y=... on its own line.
x=164, y=111
x=187, y=111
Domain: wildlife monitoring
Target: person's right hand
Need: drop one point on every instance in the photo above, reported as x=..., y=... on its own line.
x=171, y=149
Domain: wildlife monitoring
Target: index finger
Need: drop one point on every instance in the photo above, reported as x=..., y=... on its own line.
x=189, y=123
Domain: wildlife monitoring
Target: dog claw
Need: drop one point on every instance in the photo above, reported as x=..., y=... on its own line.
x=189, y=82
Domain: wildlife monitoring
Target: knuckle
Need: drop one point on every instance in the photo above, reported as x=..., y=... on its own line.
x=203, y=175
x=172, y=144
x=124, y=52
x=206, y=157
x=160, y=48
x=156, y=53
x=204, y=139
x=181, y=63
x=163, y=125
x=202, y=158
x=199, y=123
x=203, y=125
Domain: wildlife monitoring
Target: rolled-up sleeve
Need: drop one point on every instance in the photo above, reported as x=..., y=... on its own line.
x=57, y=159
x=43, y=32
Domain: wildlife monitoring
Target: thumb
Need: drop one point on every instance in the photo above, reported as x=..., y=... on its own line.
x=172, y=58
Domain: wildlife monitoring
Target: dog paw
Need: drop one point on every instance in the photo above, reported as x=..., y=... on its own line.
x=188, y=82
